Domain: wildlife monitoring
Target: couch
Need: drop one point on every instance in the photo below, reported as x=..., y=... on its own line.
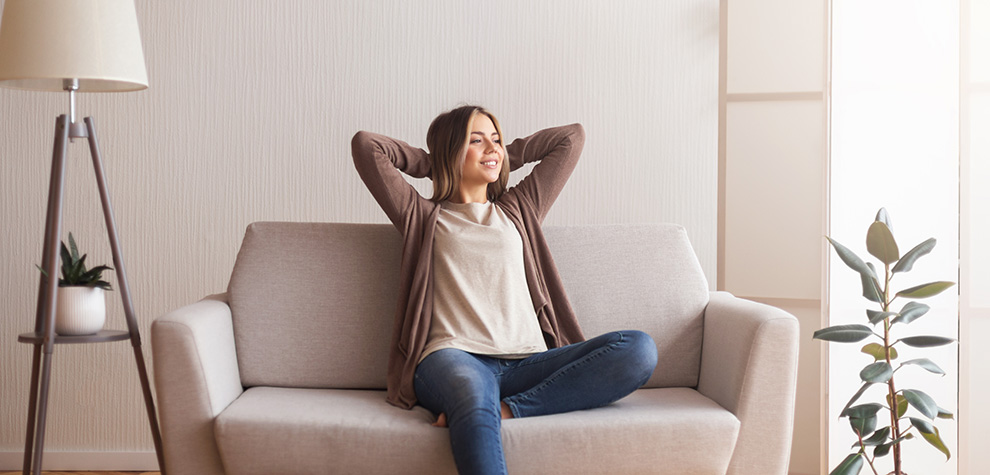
x=285, y=372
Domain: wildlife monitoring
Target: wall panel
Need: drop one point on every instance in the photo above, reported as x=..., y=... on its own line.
x=249, y=116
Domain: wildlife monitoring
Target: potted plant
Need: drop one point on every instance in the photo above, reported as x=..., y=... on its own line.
x=883, y=426
x=81, y=305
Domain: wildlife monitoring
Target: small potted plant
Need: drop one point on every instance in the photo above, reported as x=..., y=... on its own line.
x=81, y=305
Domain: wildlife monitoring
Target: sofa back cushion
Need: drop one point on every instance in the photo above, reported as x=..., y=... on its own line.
x=313, y=303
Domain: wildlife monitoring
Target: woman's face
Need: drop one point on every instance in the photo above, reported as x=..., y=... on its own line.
x=483, y=161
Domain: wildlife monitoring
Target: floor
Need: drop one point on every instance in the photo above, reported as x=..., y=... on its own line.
x=88, y=473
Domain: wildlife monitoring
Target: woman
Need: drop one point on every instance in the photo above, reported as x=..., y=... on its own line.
x=484, y=330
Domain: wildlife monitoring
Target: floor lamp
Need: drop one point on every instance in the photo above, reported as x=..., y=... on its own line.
x=72, y=46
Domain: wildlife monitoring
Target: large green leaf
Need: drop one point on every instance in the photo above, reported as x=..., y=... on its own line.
x=924, y=291
x=926, y=341
x=876, y=316
x=936, y=440
x=854, y=398
x=862, y=411
x=877, y=438
x=927, y=364
x=871, y=288
x=884, y=217
x=851, y=465
x=878, y=352
x=907, y=260
x=922, y=425
x=902, y=405
x=863, y=426
x=849, y=258
x=911, y=312
x=880, y=243
x=882, y=450
x=844, y=333
x=922, y=402
x=879, y=372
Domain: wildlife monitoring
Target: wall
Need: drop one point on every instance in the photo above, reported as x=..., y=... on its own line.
x=249, y=115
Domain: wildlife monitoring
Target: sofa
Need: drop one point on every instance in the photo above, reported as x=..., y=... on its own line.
x=285, y=372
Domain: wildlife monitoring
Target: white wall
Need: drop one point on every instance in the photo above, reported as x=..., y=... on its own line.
x=249, y=116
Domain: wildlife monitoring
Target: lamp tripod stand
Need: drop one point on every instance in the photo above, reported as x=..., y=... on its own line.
x=44, y=338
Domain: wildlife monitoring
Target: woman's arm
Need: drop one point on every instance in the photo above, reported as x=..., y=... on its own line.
x=379, y=161
x=557, y=150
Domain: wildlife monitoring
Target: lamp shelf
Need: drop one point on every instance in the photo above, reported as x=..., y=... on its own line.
x=102, y=336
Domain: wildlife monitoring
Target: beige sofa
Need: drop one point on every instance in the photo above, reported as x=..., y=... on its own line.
x=285, y=372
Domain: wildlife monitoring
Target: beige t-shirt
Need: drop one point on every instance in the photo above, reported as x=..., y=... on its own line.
x=481, y=301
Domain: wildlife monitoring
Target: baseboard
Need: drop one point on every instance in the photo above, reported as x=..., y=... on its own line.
x=96, y=461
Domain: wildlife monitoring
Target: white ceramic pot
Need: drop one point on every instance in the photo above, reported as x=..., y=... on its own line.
x=80, y=310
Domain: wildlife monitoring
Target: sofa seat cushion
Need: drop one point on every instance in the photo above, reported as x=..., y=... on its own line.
x=289, y=430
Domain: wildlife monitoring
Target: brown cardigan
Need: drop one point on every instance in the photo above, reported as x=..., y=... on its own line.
x=379, y=160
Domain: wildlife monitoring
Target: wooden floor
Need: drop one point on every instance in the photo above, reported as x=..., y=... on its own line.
x=88, y=473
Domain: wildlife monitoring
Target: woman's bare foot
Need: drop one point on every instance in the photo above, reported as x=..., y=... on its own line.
x=442, y=420
x=506, y=412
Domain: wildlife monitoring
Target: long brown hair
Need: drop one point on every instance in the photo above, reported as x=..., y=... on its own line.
x=447, y=139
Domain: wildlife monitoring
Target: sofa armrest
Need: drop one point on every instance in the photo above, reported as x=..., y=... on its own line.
x=196, y=377
x=749, y=363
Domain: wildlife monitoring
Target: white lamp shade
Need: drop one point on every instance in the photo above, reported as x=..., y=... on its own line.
x=44, y=42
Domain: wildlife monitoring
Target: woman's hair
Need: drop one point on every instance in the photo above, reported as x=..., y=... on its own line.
x=447, y=140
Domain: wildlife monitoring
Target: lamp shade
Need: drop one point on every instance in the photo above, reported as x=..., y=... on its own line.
x=97, y=42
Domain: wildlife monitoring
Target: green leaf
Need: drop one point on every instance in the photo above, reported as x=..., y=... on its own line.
x=863, y=425
x=927, y=364
x=880, y=243
x=853, y=399
x=926, y=341
x=911, y=312
x=944, y=414
x=902, y=405
x=922, y=402
x=879, y=372
x=924, y=291
x=849, y=258
x=876, y=439
x=878, y=353
x=844, y=333
x=884, y=217
x=73, y=247
x=923, y=426
x=882, y=450
x=862, y=411
x=877, y=316
x=936, y=440
x=907, y=260
x=871, y=288
x=851, y=465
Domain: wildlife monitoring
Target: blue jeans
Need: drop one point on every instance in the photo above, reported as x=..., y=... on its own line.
x=469, y=388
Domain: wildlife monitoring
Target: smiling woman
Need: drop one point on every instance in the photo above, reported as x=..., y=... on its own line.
x=484, y=330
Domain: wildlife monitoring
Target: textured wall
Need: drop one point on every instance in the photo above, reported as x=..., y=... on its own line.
x=249, y=116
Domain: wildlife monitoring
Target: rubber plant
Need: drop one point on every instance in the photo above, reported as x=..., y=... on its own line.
x=882, y=427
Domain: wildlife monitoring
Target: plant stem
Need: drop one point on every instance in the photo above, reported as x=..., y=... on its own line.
x=862, y=450
x=891, y=389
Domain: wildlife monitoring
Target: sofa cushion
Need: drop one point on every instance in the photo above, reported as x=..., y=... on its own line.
x=638, y=277
x=313, y=303
x=285, y=430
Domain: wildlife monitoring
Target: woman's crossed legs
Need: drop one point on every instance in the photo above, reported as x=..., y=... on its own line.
x=470, y=389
